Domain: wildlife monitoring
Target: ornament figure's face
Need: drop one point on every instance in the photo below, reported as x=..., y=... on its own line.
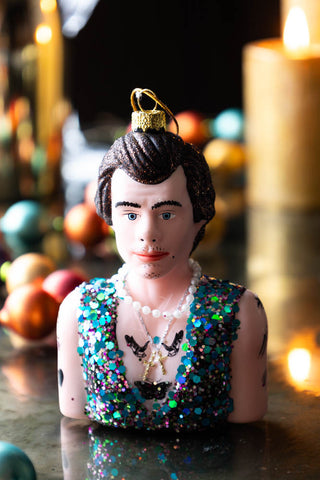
x=153, y=224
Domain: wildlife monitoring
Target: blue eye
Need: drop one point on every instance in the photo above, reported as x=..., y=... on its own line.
x=132, y=216
x=167, y=215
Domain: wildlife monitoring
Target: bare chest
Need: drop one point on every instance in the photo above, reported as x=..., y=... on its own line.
x=151, y=352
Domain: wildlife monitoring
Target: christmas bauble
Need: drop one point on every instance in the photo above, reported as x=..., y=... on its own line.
x=15, y=464
x=30, y=312
x=90, y=193
x=224, y=155
x=30, y=267
x=61, y=282
x=83, y=225
x=229, y=125
x=192, y=127
x=26, y=220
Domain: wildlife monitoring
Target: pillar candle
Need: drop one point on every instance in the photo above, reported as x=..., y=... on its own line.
x=49, y=78
x=282, y=107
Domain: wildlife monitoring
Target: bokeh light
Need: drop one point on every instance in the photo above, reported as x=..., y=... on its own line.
x=299, y=362
x=43, y=34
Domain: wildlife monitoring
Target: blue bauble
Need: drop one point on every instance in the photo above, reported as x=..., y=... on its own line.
x=24, y=220
x=15, y=464
x=228, y=125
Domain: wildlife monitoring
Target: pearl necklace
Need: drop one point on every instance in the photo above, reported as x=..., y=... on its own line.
x=119, y=282
x=184, y=303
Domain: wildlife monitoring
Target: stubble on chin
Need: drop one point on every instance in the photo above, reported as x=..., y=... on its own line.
x=150, y=275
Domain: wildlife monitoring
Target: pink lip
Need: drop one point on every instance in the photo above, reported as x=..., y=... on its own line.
x=152, y=256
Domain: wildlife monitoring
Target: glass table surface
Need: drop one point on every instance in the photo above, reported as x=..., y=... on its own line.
x=284, y=445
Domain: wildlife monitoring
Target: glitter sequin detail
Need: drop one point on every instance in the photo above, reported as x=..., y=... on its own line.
x=114, y=456
x=200, y=396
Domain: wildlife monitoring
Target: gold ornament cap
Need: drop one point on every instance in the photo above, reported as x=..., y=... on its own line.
x=149, y=120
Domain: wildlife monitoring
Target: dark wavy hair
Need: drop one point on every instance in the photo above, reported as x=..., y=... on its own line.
x=151, y=158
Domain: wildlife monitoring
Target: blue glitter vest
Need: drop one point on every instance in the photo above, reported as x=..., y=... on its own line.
x=200, y=396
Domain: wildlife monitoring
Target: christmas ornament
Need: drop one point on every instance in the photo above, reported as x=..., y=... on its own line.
x=61, y=282
x=82, y=225
x=30, y=312
x=229, y=125
x=15, y=464
x=28, y=268
x=192, y=127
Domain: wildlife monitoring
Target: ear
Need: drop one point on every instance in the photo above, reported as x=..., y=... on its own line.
x=198, y=226
x=197, y=237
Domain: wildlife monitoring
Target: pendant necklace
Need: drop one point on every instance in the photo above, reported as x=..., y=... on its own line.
x=156, y=342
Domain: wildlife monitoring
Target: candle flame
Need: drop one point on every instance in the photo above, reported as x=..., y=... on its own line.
x=296, y=36
x=299, y=362
x=43, y=34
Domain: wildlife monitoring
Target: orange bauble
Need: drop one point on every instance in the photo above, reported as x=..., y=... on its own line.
x=192, y=127
x=224, y=155
x=28, y=268
x=30, y=312
x=83, y=225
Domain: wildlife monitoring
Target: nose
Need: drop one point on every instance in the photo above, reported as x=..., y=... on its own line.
x=153, y=240
x=148, y=231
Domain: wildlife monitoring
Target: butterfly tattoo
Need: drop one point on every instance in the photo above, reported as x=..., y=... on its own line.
x=153, y=390
x=138, y=351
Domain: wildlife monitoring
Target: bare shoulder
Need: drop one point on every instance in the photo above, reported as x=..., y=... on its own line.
x=71, y=301
x=68, y=314
x=253, y=319
x=250, y=304
x=72, y=394
x=249, y=361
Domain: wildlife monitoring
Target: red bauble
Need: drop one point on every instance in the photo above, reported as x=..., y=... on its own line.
x=61, y=282
x=90, y=193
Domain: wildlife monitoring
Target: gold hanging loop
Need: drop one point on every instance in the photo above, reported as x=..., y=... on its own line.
x=149, y=119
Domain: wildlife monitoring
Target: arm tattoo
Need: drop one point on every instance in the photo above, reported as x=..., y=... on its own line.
x=263, y=347
x=264, y=378
x=259, y=303
x=60, y=377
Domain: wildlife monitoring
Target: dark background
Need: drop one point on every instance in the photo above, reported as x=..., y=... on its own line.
x=189, y=52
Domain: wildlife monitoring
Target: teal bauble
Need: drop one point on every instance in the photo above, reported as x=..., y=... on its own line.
x=24, y=219
x=228, y=125
x=15, y=464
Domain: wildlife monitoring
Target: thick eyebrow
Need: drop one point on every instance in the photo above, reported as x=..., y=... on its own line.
x=127, y=204
x=166, y=202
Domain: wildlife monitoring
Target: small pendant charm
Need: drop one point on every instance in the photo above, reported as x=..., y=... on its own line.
x=149, y=364
x=156, y=357
x=161, y=358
